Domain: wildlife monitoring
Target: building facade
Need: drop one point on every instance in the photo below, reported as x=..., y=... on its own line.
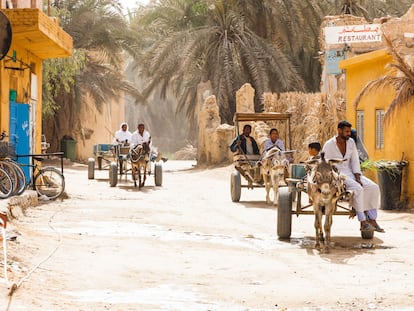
x=35, y=37
x=385, y=138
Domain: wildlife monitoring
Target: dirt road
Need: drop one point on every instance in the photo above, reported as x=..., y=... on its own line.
x=186, y=246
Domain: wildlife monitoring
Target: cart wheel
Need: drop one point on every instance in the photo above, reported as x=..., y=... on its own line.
x=158, y=174
x=235, y=186
x=284, y=213
x=113, y=174
x=99, y=163
x=91, y=168
x=367, y=235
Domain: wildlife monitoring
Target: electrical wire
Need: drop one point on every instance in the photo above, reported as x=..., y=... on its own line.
x=15, y=286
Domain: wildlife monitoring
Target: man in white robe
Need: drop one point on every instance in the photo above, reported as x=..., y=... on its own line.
x=140, y=136
x=366, y=197
x=122, y=135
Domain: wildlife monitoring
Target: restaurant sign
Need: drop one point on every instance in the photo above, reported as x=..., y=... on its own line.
x=353, y=34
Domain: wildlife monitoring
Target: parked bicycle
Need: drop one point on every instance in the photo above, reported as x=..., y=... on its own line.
x=47, y=181
x=10, y=169
x=6, y=184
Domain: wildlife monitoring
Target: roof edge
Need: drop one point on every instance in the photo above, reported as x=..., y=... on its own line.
x=364, y=58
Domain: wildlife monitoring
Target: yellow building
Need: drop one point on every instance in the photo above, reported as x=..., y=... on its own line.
x=384, y=140
x=35, y=37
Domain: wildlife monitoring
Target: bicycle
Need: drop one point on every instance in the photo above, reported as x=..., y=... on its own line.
x=6, y=184
x=47, y=181
x=12, y=170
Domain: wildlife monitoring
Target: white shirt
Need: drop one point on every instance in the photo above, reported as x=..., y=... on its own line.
x=349, y=167
x=268, y=144
x=122, y=136
x=249, y=146
x=138, y=139
x=365, y=198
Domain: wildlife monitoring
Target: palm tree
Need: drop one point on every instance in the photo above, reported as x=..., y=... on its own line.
x=183, y=44
x=383, y=8
x=352, y=7
x=100, y=35
x=370, y=9
x=402, y=83
x=292, y=25
x=222, y=49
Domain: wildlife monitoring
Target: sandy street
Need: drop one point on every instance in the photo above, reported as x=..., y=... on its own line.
x=187, y=246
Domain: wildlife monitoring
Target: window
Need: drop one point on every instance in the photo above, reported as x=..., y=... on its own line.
x=360, y=124
x=379, y=129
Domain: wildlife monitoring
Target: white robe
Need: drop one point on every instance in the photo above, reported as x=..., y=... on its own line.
x=121, y=135
x=138, y=139
x=366, y=197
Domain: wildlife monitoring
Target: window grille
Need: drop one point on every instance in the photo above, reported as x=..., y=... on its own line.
x=360, y=124
x=379, y=129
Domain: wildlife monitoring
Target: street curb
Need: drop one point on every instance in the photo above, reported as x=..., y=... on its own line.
x=14, y=207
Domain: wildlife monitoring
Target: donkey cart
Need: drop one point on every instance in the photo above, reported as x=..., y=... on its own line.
x=121, y=164
x=103, y=155
x=291, y=203
x=126, y=163
x=248, y=165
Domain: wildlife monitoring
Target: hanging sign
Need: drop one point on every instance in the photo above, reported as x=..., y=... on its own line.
x=353, y=34
x=333, y=57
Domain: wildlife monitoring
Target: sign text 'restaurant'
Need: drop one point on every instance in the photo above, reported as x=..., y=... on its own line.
x=353, y=33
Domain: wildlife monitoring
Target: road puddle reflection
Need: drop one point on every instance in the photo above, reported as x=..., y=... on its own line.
x=163, y=297
x=127, y=229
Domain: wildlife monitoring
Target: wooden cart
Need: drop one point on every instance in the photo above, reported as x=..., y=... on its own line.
x=247, y=165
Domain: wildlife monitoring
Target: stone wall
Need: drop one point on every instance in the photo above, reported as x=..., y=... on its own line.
x=314, y=118
x=213, y=137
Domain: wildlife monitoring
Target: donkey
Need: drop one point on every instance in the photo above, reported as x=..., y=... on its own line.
x=325, y=187
x=139, y=160
x=273, y=166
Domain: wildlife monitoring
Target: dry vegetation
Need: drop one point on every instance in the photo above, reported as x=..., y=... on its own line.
x=314, y=116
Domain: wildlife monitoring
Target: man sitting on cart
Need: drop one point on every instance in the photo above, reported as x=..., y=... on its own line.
x=121, y=142
x=366, y=193
x=273, y=141
x=141, y=137
x=122, y=136
x=245, y=142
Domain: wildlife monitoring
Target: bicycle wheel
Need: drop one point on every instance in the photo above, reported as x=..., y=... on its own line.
x=21, y=177
x=6, y=184
x=9, y=169
x=49, y=182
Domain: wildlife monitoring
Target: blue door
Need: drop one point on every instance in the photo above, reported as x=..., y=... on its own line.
x=20, y=133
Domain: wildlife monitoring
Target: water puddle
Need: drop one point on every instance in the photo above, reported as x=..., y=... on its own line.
x=164, y=297
x=128, y=229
